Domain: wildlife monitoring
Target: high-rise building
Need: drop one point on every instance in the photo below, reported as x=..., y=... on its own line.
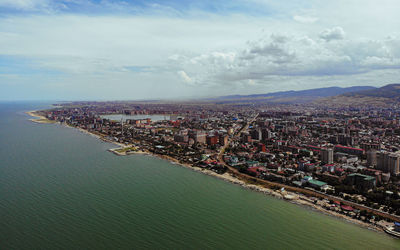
x=327, y=155
x=345, y=140
x=394, y=162
x=198, y=136
x=256, y=134
x=266, y=134
x=371, y=158
x=382, y=161
x=388, y=162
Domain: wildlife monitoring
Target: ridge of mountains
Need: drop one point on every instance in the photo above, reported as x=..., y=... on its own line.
x=391, y=91
x=355, y=95
x=387, y=96
x=292, y=96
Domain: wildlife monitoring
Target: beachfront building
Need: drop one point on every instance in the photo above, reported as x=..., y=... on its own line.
x=316, y=184
x=361, y=181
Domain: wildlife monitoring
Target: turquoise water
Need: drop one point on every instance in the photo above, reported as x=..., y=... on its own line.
x=60, y=189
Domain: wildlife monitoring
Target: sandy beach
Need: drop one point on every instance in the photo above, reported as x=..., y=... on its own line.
x=38, y=118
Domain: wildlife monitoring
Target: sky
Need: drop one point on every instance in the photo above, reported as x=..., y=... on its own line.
x=174, y=49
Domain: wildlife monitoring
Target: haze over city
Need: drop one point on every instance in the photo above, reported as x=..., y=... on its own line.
x=102, y=50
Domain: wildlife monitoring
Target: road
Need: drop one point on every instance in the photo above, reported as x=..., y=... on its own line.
x=236, y=134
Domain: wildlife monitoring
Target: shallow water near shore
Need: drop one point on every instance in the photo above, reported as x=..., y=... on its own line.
x=61, y=189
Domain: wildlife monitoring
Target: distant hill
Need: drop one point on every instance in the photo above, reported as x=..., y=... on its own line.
x=292, y=96
x=391, y=91
x=383, y=96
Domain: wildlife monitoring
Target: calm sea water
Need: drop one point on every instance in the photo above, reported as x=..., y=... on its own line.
x=60, y=189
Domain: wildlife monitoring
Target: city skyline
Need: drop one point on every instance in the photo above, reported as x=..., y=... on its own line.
x=88, y=50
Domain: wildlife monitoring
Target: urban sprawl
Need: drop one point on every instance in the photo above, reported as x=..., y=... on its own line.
x=345, y=160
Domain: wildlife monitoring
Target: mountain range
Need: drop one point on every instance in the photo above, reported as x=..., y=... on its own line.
x=359, y=95
x=301, y=96
x=386, y=96
x=391, y=91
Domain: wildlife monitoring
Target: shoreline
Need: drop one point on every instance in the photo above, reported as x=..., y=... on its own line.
x=287, y=196
x=38, y=118
x=294, y=198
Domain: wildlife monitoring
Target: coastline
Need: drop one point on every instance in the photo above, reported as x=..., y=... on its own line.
x=38, y=118
x=294, y=198
x=291, y=197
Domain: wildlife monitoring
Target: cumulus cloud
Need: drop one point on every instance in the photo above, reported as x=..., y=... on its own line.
x=147, y=51
x=336, y=33
x=276, y=50
x=292, y=56
x=185, y=77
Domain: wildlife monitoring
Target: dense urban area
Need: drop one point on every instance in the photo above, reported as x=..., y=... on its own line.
x=344, y=159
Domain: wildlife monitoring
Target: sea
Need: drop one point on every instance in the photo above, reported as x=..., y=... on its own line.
x=61, y=189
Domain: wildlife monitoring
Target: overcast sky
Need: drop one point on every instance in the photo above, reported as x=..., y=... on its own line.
x=144, y=49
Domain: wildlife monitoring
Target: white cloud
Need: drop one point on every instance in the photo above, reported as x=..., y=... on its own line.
x=185, y=77
x=336, y=33
x=79, y=44
x=284, y=57
x=24, y=4
x=217, y=54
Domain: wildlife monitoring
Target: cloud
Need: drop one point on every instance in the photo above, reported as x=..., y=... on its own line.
x=139, y=7
x=24, y=4
x=336, y=33
x=274, y=51
x=305, y=19
x=185, y=77
x=222, y=47
x=279, y=56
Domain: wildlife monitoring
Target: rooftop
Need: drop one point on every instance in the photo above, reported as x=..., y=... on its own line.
x=317, y=183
